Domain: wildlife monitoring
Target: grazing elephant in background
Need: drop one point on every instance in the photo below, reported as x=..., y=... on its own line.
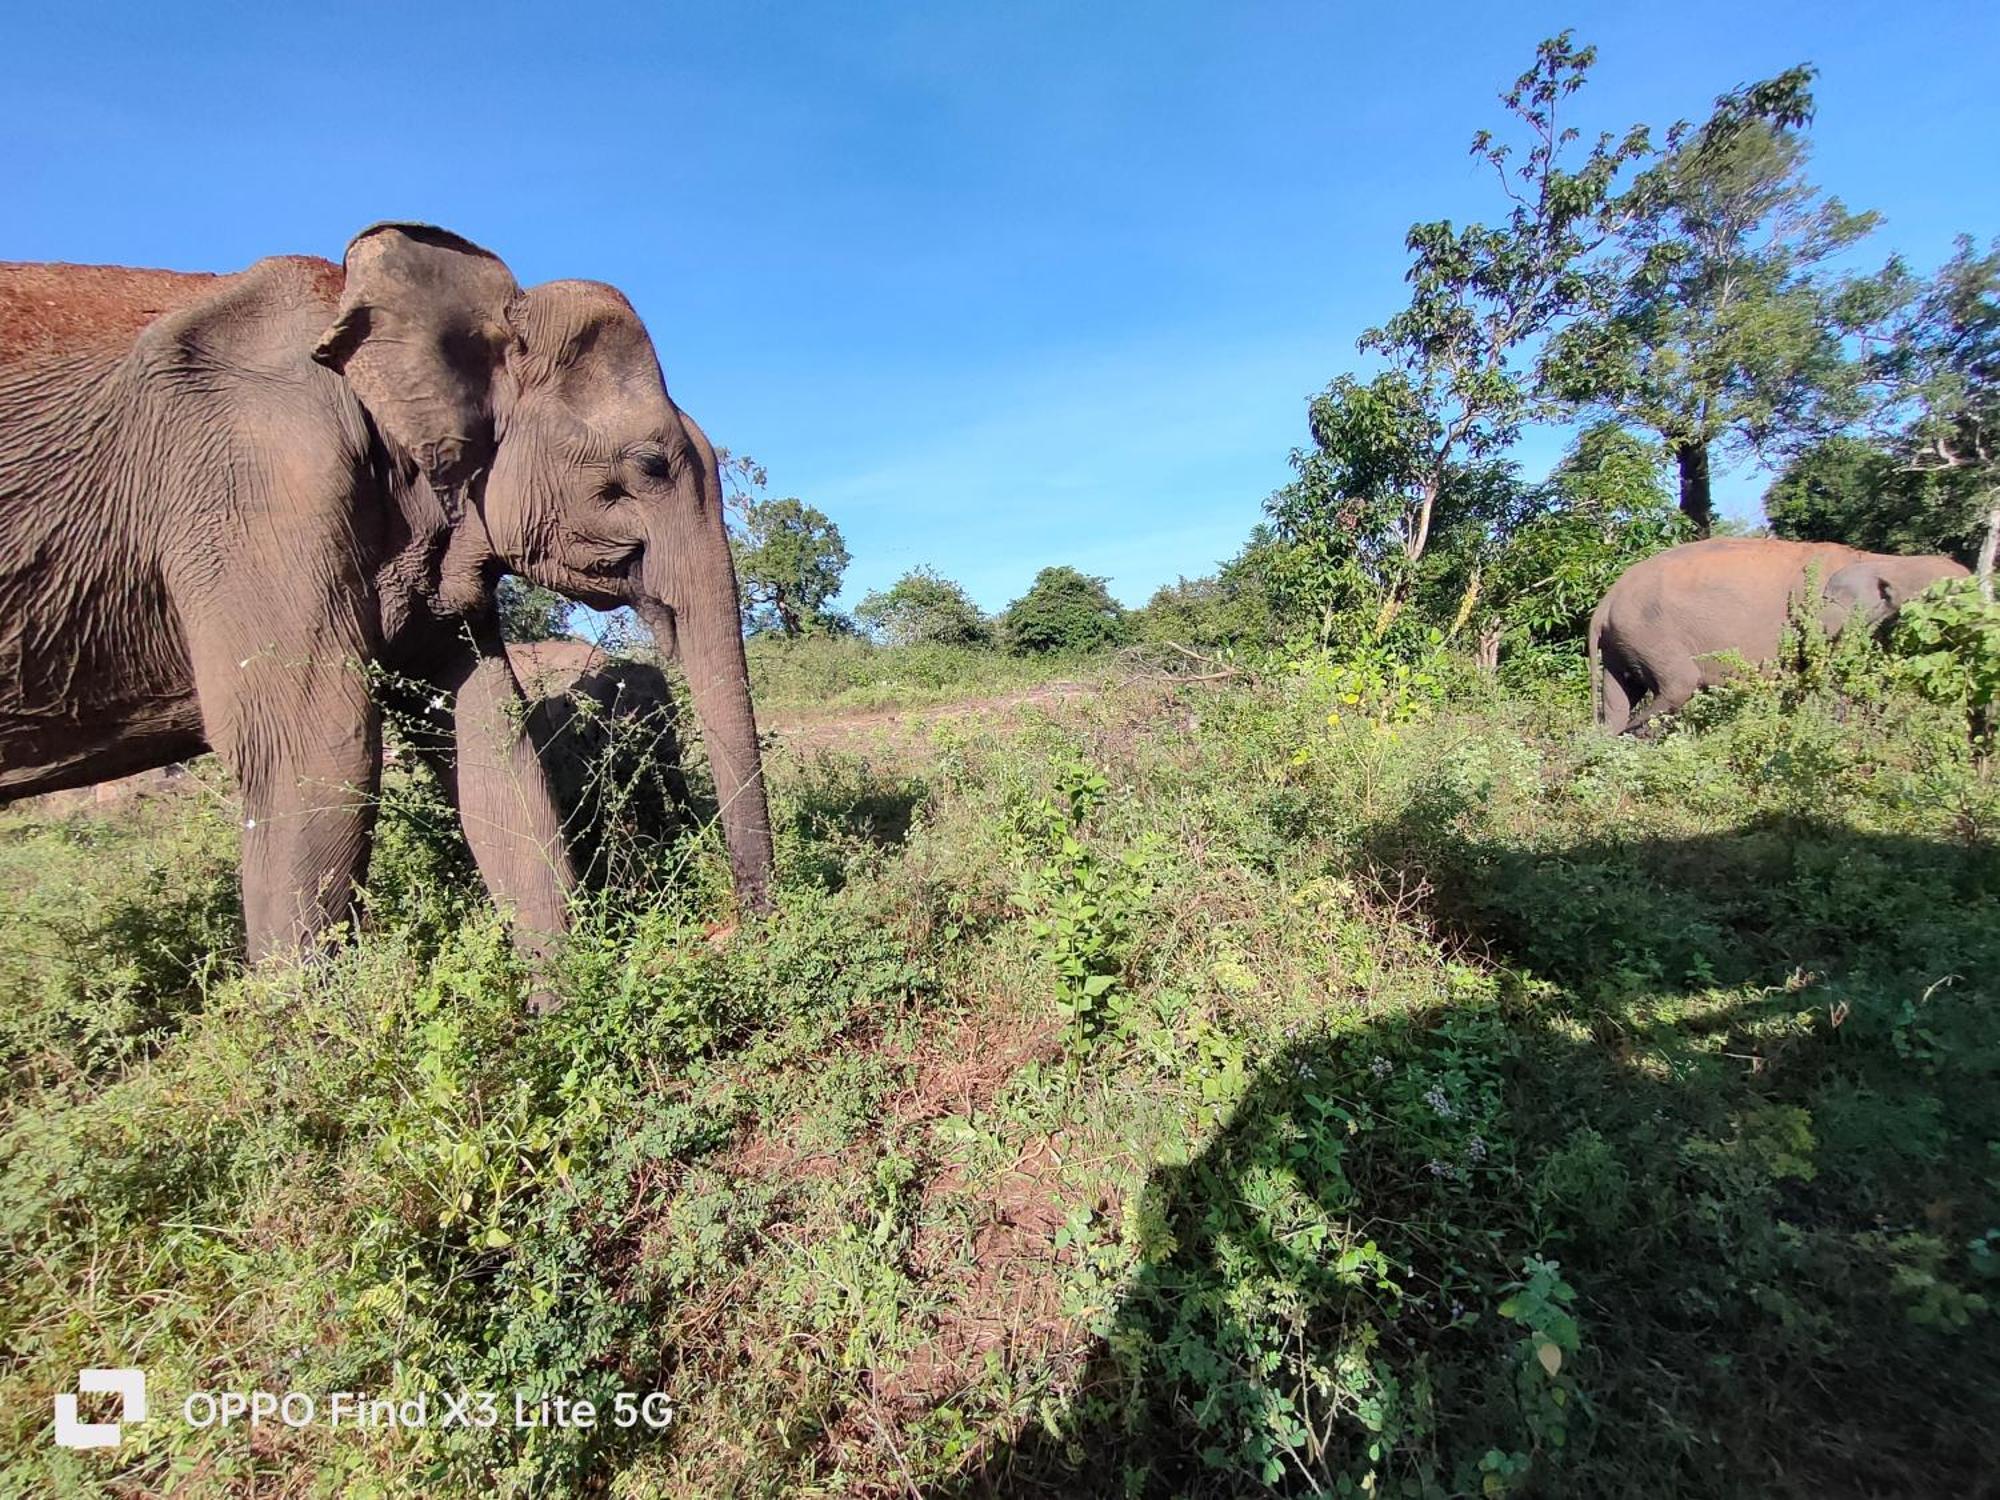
x=606, y=731
x=1658, y=629
x=1867, y=594
x=228, y=504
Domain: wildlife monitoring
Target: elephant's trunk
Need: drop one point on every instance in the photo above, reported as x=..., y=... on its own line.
x=704, y=631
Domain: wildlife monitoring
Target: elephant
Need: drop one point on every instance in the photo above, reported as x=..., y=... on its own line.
x=1868, y=594
x=239, y=511
x=605, y=729
x=1661, y=625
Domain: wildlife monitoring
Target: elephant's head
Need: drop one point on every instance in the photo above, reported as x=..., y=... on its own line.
x=541, y=417
x=1867, y=593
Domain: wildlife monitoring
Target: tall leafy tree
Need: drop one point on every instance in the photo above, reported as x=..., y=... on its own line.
x=743, y=478
x=1859, y=491
x=1388, y=452
x=1942, y=366
x=1724, y=330
x=1611, y=470
x=789, y=561
x=1064, y=610
x=789, y=556
x=1527, y=563
x=924, y=607
x=1605, y=507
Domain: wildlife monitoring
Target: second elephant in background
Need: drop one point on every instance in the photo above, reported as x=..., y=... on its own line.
x=1668, y=625
x=1868, y=593
x=606, y=731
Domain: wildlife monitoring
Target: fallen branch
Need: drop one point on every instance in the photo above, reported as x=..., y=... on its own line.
x=1218, y=669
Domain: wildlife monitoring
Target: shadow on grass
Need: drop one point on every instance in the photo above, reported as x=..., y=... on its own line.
x=1758, y=904
x=839, y=807
x=1768, y=1199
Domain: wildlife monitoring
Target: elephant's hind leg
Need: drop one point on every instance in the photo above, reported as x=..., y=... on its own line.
x=1671, y=695
x=1614, y=703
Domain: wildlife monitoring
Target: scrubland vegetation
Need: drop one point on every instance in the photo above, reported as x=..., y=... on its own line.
x=843, y=673
x=1330, y=1082
x=1303, y=1055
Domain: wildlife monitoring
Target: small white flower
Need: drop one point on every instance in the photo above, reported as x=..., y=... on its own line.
x=1381, y=1067
x=250, y=823
x=438, y=701
x=1436, y=1100
x=243, y=663
x=1475, y=1149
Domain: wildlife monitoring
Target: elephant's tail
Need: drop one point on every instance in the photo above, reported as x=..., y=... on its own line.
x=1593, y=646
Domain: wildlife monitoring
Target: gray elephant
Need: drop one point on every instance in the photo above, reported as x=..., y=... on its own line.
x=1868, y=594
x=1655, y=638
x=230, y=506
x=606, y=730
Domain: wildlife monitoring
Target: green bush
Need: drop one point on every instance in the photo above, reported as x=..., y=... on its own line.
x=1948, y=640
x=924, y=608
x=1063, y=611
x=1358, y=1081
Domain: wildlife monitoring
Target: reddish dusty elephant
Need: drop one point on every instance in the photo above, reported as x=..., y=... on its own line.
x=1654, y=639
x=233, y=507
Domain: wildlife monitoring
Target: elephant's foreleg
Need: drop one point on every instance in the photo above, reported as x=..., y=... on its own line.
x=297, y=728
x=504, y=801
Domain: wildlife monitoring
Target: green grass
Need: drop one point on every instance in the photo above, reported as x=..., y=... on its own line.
x=839, y=673
x=1184, y=1092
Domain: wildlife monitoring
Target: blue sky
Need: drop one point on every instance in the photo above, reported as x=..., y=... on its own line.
x=996, y=286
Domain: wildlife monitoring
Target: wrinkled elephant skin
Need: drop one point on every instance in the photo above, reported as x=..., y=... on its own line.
x=237, y=512
x=1655, y=639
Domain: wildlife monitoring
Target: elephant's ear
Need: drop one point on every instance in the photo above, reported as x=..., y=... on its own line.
x=1874, y=588
x=1859, y=590
x=421, y=337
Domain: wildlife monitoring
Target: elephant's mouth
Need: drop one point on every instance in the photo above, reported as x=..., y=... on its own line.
x=601, y=575
x=614, y=562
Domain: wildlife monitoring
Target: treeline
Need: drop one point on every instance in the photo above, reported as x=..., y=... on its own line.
x=1676, y=298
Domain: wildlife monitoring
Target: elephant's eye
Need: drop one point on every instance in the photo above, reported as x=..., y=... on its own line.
x=654, y=464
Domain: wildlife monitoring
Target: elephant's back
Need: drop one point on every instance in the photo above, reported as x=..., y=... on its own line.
x=566, y=668
x=1724, y=594
x=53, y=308
x=1761, y=568
x=64, y=309
x=551, y=669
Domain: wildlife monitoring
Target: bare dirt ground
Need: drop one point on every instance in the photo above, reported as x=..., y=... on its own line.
x=167, y=781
